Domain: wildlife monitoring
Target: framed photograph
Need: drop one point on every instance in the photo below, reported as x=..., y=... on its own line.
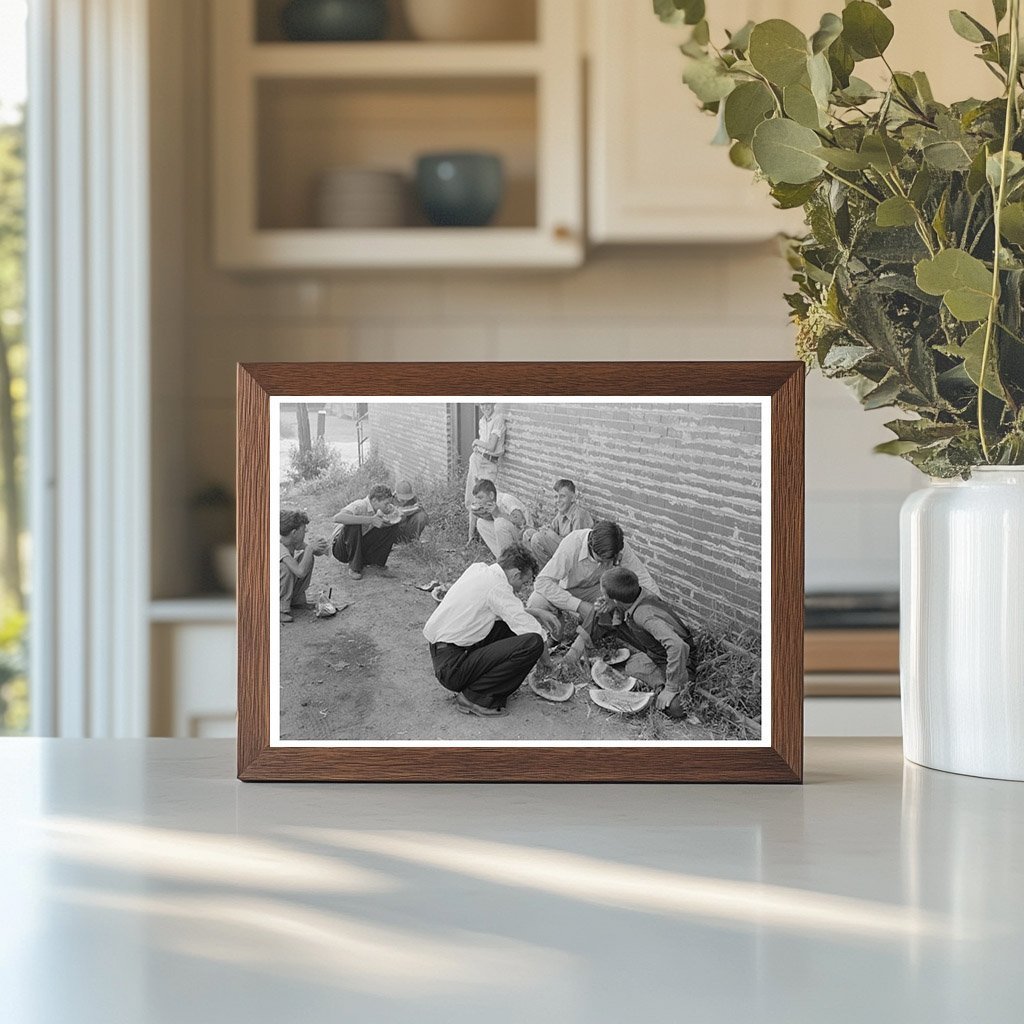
x=520, y=572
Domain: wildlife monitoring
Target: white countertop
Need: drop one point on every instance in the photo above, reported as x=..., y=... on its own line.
x=142, y=884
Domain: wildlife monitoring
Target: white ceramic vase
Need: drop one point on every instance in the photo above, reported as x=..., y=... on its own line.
x=962, y=624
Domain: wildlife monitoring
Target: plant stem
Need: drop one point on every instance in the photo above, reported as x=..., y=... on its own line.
x=993, y=309
x=922, y=225
x=855, y=187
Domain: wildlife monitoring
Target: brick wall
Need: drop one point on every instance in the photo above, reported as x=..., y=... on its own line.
x=412, y=439
x=684, y=481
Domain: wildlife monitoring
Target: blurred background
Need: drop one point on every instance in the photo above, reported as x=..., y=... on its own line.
x=249, y=180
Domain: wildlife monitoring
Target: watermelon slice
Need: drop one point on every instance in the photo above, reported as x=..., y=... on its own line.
x=609, y=678
x=622, y=703
x=552, y=689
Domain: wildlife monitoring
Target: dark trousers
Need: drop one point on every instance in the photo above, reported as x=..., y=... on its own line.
x=490, y=670
x=360, y=549
x=410, y=528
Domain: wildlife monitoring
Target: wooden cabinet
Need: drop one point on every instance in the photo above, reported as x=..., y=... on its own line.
x=286, y=113
x=653, y=175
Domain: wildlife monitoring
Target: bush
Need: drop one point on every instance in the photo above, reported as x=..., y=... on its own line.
x=312, y=465
x=14, y=708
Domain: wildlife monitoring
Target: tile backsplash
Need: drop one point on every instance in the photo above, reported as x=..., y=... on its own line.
x=719, y=302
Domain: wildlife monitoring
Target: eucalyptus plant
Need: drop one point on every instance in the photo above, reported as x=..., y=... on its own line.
x=909, y=280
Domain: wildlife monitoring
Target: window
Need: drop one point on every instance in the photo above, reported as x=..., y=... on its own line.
x=14, y=705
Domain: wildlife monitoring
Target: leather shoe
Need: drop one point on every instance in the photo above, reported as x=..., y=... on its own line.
x=467, y=707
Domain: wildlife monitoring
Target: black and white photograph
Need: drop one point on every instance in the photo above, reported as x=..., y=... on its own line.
x=488, y=570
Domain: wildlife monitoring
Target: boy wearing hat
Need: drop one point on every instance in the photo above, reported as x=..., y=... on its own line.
x=415, y=519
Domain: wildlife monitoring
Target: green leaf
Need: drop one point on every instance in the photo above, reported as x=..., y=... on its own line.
x=923, y=431
x=896, y=212
x=968, y=28
x=745, y=108
x=883, y=153
x=785, y=152
x=820, y=76
x=844, y=159
x=939, y=220
x=971, y=352
x=778, y=50
x=707, y=80
x=1014, y=169
x=946, y=156
x=895, y=447
x=800, y=105
x=741, y=155
x=963, y=281
x=976, y=175
x=921, y=185
x=924, y=88
x=885, y=394
x=858, y=91
x=1012, y=224
x=739, y=41
x=676, y=12
x=830, y=28
x=866, y=29
x=841, y=60
x=789, y=197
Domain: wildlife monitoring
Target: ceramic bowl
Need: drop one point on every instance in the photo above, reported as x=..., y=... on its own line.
x=471, y=20
x=460, y=189
x=334, y=20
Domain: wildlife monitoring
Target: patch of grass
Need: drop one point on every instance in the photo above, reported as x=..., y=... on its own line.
x=343, y=483
x=728, y=681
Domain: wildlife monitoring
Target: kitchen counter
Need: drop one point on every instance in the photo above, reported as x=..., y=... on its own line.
x=143, y=884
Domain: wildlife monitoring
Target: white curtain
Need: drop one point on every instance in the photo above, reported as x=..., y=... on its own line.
x=88, y=320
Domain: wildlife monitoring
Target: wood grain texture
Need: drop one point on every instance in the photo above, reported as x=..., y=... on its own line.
x=635, y=762
x=852, y=650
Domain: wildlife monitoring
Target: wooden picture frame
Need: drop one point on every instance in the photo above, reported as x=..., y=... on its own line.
x=777, y=757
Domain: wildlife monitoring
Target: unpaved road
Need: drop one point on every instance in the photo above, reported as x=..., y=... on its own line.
x=366, y=675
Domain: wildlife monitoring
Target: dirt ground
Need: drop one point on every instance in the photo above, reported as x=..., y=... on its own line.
x=366, y=673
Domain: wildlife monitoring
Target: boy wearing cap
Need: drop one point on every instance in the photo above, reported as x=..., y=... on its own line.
x=414, y=517
x=296, y=562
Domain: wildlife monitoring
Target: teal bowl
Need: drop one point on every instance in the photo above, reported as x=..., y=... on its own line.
x=460, y=190
x=334, y=21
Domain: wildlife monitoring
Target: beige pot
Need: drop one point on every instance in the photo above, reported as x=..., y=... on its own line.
x=471, y=20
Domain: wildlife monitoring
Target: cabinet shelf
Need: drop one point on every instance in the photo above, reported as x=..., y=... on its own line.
x=309, y=248
x=286, y=114
x=392, y=60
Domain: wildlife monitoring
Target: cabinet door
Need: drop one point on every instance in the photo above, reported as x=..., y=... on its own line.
x=654, y=175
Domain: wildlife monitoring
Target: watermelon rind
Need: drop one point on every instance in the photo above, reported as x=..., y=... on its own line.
x=621, y=702
x=609, y=680
x=559, y=690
